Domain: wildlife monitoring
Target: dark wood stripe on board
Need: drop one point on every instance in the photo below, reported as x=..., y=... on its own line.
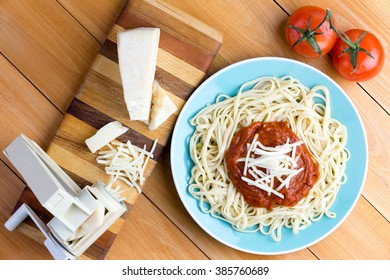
x=99, y=249
x=179, y=48
x=81, y=182
x=168, y=81
x=173, y=84
x=31, y=200
x=97, y=119
x=109, y=50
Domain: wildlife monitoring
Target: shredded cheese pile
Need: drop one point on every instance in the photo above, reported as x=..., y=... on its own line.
x=125, y=162
x=277, y=163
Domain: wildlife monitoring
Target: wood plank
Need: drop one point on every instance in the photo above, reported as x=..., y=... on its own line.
x=99, y=103
x=161, y=191
x=57, y=58
x=97, y=16
x=357, y=229
x=167, y=242
x=24, y=109
x=249, y=16
x=246, y=33
x=93, y=107
x=371, y=15
x=15, y=245
x=375, y=189
x=186, y=27
x=356, y=239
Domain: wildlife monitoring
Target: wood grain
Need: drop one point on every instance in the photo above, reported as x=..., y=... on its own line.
x=61, y=57
x=234, y=40
x=15, y=245
x=172, y=20
x=357, y=229
x=168, y=242
x=97, y=17
x=250, y=29
x=369, y=15
x=168, y=201
x=376, y=189
x=92, y=108
x=24, y=109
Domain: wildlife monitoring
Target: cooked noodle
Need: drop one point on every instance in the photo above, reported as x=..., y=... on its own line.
x=267, y=99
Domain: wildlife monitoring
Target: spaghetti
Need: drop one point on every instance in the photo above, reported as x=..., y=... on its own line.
x=267, y=99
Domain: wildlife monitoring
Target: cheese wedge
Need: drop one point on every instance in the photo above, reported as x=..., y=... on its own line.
x=105, y=135
x=162, y=107
x=137, y=55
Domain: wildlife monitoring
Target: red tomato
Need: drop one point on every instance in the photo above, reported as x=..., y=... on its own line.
x=309, y=33
x=358, y=56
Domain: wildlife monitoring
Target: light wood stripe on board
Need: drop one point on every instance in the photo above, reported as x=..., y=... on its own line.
x=106, y=65
x=110, y=70
x=183, y=51
x=173, y=21
x=88, y=169
x=90, y=172
x=98, y=91
x=165, y=61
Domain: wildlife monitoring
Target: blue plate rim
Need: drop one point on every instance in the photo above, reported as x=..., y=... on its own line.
x=194, y=95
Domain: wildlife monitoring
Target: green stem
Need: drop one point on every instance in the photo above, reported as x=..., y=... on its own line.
x=348, y=42
x=327, y=15
x=308, y=34
x=353, y=47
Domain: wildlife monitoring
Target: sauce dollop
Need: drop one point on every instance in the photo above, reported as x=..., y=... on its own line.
x=270, y=134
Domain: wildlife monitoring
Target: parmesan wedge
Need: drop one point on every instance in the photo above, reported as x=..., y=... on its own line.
x=105, y=135
x=137, y=56
x=162, y=107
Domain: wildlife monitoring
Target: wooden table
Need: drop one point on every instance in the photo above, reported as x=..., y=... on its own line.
x=46, y=48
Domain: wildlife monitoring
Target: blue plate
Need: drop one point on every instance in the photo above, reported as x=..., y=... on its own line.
x=227, y=81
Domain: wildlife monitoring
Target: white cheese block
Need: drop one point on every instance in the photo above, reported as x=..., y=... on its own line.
x=105, y=135
x=162, y=107
x=137, y=55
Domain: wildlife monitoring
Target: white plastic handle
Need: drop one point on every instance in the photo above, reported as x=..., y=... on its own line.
x=55, y=249
x=22, y=213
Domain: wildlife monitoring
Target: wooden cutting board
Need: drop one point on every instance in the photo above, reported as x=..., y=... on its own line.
x=187, y=48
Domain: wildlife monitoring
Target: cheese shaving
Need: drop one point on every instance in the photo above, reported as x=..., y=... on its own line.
x=104, y=135
x=277, y=163
x=126, y=162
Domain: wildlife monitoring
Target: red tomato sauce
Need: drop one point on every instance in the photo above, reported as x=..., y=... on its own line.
x=270, y=134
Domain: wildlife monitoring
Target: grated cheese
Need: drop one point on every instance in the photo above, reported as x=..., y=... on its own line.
x=126, y=162
x=277, y=163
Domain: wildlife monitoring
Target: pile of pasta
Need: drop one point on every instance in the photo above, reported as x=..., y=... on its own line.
x=267, y=99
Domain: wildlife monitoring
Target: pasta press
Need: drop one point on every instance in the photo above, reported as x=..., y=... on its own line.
x=80, y=215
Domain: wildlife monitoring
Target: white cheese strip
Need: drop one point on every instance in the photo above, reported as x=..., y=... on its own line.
x=137, y=56
x=276, y=162
x=105, y=135
x=261, y=186
x=162, y=107
x=126, y=162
